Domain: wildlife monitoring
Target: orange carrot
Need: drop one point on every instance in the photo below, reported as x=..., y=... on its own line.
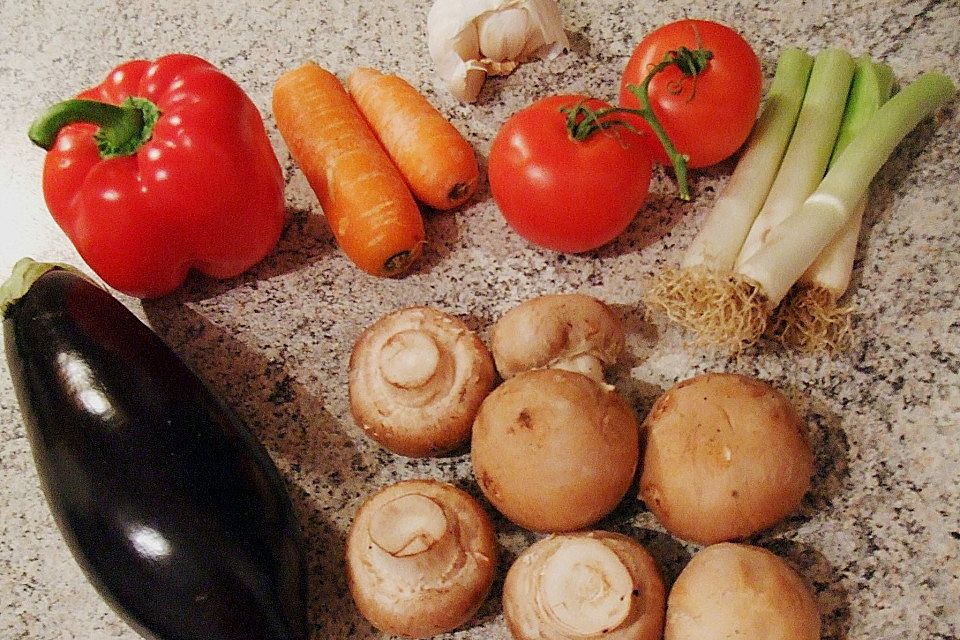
x=436, y=160
x=369, y=207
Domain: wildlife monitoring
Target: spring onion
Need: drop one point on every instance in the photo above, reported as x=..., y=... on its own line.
x=810, y=318
x=732, y=308
x=696, y=295
x=794, y=244
x=811, y=144
x=725, y=228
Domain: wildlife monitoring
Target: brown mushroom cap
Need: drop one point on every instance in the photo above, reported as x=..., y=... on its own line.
x=554, y=450
x=740, y=591
x=417, y=377
x=726, y=456
x=421, y=556
x=567, y=331
x=584, y=585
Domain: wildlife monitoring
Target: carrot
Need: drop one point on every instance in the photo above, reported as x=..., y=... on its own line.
x=369, y=207
x=436, y=160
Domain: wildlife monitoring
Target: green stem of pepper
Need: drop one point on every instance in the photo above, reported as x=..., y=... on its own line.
x=582, y=121
x=122, y=129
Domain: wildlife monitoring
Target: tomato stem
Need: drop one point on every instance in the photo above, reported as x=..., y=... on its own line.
x=582, y=121
x=691, y=63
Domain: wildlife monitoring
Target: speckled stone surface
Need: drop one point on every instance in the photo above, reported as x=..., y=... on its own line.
x=878, y=536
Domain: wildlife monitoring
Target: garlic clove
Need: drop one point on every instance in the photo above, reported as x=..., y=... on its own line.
x=466, y=80
x=470, y=39
x=504, y=34
x=548, y=39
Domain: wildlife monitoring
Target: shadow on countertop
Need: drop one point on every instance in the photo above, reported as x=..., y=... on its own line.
x=833, y=601
x=320, y=465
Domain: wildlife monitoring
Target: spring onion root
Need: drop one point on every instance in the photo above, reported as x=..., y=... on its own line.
x=812, y=319
x=722, y=308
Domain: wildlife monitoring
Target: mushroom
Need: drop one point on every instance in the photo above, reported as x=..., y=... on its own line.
x=566, y=331
x=725, y=457
x=421, y=556
x=417, y=377
x=583, y=586
x=553, y=450
x=740, y=591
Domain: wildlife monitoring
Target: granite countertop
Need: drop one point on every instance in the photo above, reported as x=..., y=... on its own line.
x=878, y=536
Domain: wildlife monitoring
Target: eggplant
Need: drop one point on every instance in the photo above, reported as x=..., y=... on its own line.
x=173, y=509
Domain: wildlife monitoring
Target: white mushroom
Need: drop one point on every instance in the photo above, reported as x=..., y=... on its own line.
x=740, y=591
x=421, y=556
x=595, y=585
x=417, y=377
x=553, y=450
x=725, y=456
x=564, y=331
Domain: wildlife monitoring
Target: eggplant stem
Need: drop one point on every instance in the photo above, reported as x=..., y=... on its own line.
x=25, y=272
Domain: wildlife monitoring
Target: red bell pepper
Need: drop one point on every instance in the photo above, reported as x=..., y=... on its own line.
x=164, y=167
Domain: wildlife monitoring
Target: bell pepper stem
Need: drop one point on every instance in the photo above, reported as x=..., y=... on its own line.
x=122, y=129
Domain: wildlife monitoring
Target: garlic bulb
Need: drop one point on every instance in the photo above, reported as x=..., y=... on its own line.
x=471, y=39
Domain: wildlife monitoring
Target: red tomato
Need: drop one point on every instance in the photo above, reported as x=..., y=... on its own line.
x=560, y=193
x=710, y=117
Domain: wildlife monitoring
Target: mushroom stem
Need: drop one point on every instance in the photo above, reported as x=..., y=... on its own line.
x=409, y=359
x=408, y=525
x=584, y=588
x=585, y=363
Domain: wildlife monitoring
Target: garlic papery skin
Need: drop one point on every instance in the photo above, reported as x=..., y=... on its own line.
x=471, y=39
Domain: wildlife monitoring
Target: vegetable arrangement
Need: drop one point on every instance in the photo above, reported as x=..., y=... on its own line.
x=164, y=167
x=553, y=447
x=174, y=511
x=569, y=173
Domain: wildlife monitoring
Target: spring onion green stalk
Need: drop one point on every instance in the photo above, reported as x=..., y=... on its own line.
x=810, y=318
x=694, y=293
x=794, y=244
x=810, y=146
x=726, y=226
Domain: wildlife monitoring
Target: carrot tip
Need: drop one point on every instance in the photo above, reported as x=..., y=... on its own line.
x=397, y=263
x=459, y=190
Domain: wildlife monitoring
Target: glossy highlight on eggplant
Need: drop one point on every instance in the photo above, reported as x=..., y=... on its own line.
x=175, y=512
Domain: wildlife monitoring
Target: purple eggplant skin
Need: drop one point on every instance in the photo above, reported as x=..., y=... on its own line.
x=175, y=512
